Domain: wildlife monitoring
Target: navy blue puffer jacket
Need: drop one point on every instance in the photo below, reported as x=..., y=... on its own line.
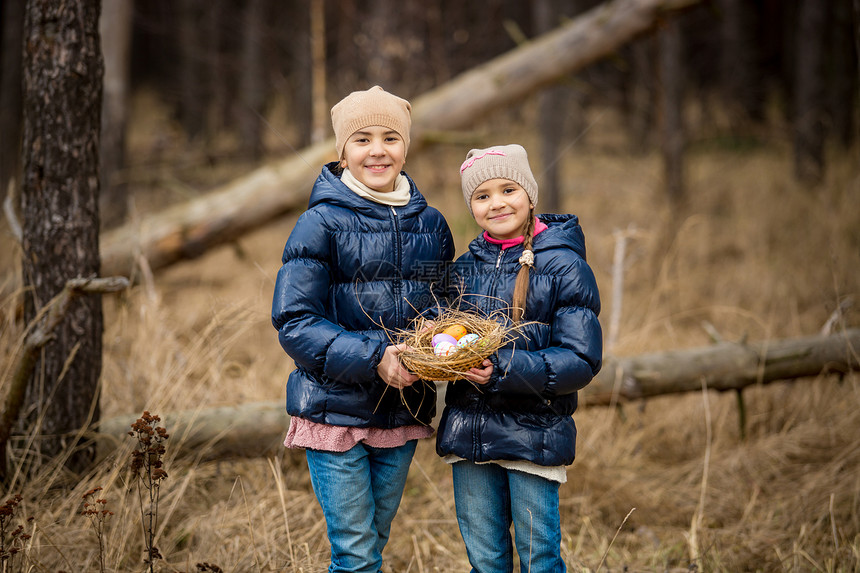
x=350, y=267
x=525, y=411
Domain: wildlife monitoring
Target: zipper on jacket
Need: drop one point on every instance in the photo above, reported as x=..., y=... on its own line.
x=398, y=261
x=488, y=303
x=476, y=434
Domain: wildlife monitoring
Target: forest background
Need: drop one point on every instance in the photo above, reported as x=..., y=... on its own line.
x=738, y=216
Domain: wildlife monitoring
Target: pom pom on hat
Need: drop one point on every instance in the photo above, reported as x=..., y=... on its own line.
x=374, y=106
x=500, y=162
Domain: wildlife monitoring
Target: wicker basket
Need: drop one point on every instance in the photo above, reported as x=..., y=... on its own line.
x=425, y=363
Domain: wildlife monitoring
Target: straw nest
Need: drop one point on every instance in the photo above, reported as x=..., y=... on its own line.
x=423, y=361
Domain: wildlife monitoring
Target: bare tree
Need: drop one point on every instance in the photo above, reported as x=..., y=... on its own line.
x=115, y=33
x=555, y=104
x=672, y=131
x=294, y=22
x=857, y=33
x=842, y=79
x=738, y=61
x=437, y=58
x=319, y=111
x=378, y=41
x=10, y=91
x=809, y=92
x=252, y=94
x=62, y=96
x=219, y=81
x=641, y=93
x=346, y=58
x=193, y=100
x=857, y=38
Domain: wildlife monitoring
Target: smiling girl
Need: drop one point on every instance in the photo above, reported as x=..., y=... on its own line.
x=508, y=430
x=365, y=255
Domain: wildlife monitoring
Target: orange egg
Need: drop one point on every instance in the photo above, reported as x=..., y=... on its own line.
x=456, y=330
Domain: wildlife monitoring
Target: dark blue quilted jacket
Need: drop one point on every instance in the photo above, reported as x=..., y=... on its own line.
x=525, y=411
x=350, y=267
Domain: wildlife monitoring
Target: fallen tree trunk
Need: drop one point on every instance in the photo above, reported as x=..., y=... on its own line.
x=257, y=429
x=246, y=430
x=723, y=366
x=587, y=38
x=186, y=230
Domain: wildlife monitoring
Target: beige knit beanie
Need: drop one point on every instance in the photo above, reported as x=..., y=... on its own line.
x=370, y=107
x=500, y=162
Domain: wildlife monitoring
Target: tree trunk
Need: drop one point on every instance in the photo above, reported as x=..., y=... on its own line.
x=346, y=58
x=379, y=31
x=245, y=430
x=640, y=95
x=739, y=75
x=193, y=100
x=437, y=55
x=597, y=33
x=258, y=429
x=186, y=230
x=857, y=40
x=10, y=92
x=115, y=33
x=59, y=202
x=39, y=333
x=252, y=78
x=300, y=74
x=809, y=92
x=857, y=36
x=320, y=110
x=842, y=77
x=552, y=112
x=723, y=366
x=672, y=128
x=219, y=77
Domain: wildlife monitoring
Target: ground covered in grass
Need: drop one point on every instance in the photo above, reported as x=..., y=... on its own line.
x=673, y=483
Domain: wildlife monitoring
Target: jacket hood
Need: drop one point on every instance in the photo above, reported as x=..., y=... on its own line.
x=328, y=188
x=562, y=231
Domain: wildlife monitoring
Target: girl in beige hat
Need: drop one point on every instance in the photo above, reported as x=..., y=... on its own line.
x=365, y=257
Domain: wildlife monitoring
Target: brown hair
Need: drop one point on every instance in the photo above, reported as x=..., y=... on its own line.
x=521, y=287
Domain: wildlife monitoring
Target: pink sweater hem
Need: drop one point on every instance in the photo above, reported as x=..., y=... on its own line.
x=306, y=434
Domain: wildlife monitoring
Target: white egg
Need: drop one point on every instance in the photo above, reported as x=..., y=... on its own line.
x=444, y=349
x=467, y=339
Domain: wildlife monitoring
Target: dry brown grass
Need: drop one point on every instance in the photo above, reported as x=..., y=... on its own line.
x=755, y=255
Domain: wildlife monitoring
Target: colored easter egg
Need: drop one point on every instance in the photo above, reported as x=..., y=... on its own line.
x=443, y=337
x=444, y=348
x=456, y=330
x=467, y=339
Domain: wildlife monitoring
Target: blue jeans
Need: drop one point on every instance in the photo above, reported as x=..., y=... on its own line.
x=359, y=491
x=488, y=499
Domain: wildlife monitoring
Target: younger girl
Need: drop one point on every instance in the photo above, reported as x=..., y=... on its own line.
x=508, y=430
x=362, y=259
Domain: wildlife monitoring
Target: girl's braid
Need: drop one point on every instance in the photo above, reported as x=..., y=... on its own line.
x=521, y=287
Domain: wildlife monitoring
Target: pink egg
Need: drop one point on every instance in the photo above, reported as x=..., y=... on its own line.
x=442, y=337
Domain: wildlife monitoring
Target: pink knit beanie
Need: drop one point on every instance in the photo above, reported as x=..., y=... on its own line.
x=362, y=109
x=501, y=162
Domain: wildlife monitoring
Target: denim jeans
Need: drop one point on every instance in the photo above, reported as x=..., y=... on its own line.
x=488, y=499
x=359, y=491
